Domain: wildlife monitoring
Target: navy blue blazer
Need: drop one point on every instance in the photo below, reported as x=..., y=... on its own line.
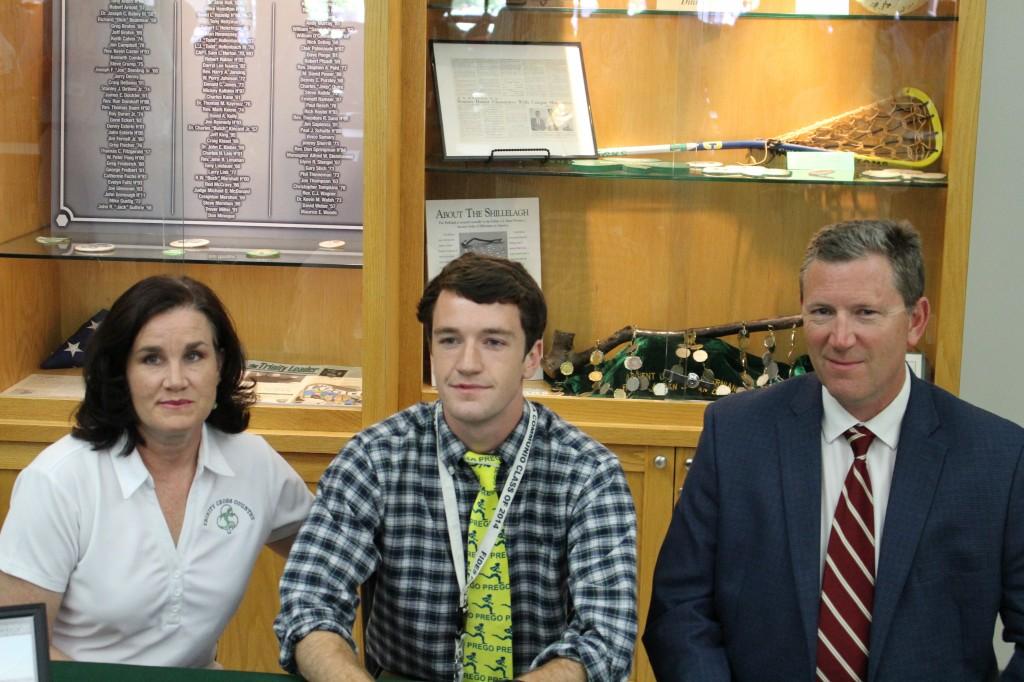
x=736, y=586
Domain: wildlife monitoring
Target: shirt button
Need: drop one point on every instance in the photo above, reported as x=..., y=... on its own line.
x=177, y=575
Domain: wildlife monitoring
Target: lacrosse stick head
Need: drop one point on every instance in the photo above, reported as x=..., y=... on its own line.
x=903, y=130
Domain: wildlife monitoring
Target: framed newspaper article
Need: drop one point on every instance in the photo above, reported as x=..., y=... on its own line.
x=512, y=100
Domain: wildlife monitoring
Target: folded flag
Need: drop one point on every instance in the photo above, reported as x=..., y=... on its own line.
x=71, y=352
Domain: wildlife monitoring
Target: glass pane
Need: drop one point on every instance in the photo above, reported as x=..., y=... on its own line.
x=219, y=139
x=698, y=207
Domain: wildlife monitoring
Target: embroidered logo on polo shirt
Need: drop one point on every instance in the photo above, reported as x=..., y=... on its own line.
x=228, y=519
x=226, y=513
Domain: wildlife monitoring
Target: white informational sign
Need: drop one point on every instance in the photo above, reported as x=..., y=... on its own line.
x=823, y=165
x=917, y=365
x=509, y=228
x=723, y=6
x=833, y=7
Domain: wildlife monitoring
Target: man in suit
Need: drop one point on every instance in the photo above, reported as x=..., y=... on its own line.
x=796, y=553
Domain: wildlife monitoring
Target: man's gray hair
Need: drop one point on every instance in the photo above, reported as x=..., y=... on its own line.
x=898, y=242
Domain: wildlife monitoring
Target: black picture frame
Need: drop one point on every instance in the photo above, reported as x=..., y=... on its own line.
x=27, y=619
x=564, y=127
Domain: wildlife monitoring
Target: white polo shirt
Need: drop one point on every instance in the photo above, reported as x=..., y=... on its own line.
x=88, y=524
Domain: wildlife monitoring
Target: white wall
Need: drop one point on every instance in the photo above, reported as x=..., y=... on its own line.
x=992, y=372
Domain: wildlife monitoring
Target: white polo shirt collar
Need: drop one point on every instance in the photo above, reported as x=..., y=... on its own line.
x=131, y=472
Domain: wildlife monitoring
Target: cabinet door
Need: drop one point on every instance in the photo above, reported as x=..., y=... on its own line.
x=248, y=642
x=7, y=477
x=650, y=474
x=13, y=458
x=684, y=458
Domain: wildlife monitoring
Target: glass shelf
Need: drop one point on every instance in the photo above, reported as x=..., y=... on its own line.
x=462, y=10
x=302, y=251
x=678, y=173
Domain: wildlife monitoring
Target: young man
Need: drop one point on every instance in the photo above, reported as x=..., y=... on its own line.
x=538, y=584
x=853, y=524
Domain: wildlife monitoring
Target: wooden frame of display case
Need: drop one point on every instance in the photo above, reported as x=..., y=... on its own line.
x=42, y=301
x=654, y=439
x=946, y=260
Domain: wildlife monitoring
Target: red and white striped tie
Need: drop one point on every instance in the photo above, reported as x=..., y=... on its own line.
x=848, y=584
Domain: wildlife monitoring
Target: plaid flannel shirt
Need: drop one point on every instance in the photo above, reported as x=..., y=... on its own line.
x=570, y=536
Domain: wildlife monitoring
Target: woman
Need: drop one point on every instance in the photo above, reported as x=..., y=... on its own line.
x=139, y=530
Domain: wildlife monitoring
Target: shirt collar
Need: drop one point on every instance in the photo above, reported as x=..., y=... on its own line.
x=885, y=425
x=210, y=455
x=131, y=472
x=453, y=449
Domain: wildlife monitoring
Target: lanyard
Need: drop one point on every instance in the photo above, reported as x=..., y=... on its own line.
x=451, y=514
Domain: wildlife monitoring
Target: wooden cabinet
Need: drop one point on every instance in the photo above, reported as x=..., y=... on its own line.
x=248, y=643
x=654, y=475
x=650, y=472
x=294, y=314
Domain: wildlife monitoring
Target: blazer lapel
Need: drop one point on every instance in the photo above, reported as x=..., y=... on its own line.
x=919, y=458
x=799, y=440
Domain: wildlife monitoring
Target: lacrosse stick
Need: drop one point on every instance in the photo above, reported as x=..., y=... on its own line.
x=903, y=130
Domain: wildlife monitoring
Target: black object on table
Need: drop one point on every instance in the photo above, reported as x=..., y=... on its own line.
x=76, y=671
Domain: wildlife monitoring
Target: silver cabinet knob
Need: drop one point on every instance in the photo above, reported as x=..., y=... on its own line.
x=689, y=462
x=660, y=462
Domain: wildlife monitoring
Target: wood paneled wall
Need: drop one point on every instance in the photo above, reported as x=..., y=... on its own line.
x=288, y=314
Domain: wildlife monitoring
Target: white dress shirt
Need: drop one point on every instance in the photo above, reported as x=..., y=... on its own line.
x=837, y=456
x=88, y=524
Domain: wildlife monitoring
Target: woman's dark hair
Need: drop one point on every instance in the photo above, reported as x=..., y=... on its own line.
x=106, y=414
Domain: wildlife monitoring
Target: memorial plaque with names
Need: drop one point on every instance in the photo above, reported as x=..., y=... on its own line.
x=236, y=119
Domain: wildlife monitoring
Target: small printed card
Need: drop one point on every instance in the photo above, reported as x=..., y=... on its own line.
x=723, y=6
x=813, y=7
x=822, y=165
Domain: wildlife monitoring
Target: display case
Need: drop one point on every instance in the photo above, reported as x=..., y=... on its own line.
x=662, y=249
x=658, y=243
x=302, y=307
